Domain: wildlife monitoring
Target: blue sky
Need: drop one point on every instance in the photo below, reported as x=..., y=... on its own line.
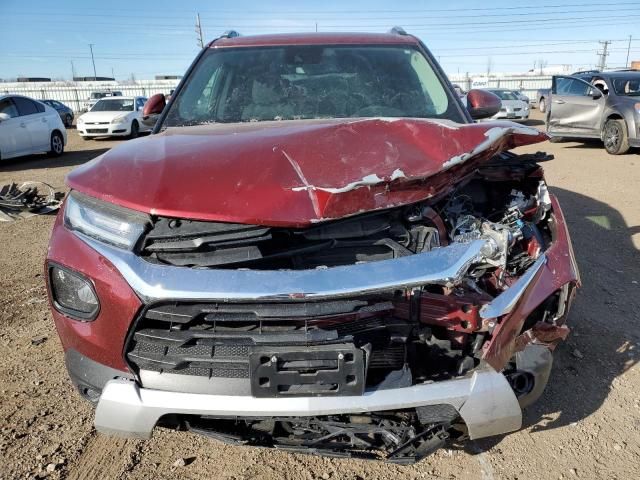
x=149, y=37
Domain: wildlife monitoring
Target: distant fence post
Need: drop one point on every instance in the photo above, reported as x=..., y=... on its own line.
x=75, y=93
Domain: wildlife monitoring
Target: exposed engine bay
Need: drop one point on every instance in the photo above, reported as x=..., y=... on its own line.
x=391, y=340
x=505, y=211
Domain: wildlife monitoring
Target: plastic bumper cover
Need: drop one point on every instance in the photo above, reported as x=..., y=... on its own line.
x=484, y=400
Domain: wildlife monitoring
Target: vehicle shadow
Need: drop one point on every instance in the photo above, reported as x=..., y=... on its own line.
x=602, y=344
x=43, y=160
x=533, y=122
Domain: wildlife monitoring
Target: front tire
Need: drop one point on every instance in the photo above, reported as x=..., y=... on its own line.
x=542, y=105
x=615, y=137
x=135, y=129
x=57, y=144
x=68, y=121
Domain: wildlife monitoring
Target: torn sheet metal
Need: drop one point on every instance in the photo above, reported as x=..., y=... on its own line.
x=27, y=200
x=294, y=173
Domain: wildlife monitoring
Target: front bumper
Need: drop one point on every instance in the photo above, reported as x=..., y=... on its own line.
x=110, y=130
x=484, y=400
x=524, y=115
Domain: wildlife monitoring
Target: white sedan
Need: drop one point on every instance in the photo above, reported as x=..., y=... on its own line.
x=28, y=126
x=512, y=107
x=113, y=116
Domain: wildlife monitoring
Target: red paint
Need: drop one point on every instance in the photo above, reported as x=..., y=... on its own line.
x=482, y=103
x=273, y=173
x=103, y=339
x=323, y=39
x=561, y=268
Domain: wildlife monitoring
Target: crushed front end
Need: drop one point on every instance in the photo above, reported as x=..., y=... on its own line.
x=387, y=332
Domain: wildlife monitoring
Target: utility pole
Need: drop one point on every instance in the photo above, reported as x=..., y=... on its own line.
x=73, y=71
x=626, y=64
x=113, y=75
x=95, y=75
x=602, y=64
x=316, y=27
x=199, y=31
x=542, y=63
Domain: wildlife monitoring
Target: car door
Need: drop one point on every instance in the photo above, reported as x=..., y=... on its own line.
x=34, y=117
x=140, y=101
x=14, y=136
x=576, y=108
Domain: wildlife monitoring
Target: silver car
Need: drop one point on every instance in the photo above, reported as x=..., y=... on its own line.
x=513, y=108
x=604, y=105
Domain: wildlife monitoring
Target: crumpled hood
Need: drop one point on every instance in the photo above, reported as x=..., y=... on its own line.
x=293, y=173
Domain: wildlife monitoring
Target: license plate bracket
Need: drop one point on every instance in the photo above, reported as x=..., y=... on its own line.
x=318, y=370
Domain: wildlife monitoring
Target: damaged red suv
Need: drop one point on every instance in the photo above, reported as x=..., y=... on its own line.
x=317, y=249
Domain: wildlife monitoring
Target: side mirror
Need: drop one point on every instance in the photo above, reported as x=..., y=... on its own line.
x=482, y=104
x=152, y=108
x=596, y=93
x=4, y=116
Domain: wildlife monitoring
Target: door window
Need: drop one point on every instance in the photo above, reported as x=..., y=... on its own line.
x=7, y=106
x=25, y=106
x=571, y=86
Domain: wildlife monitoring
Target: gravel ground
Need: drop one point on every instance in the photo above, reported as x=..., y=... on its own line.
x=586, y=425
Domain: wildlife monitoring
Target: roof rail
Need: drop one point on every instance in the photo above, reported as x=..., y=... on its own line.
x=230, y=34
x=585, y=71
x=398, y=31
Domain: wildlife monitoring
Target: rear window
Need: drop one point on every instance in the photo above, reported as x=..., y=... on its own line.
x=307, y=82
x=629, y=86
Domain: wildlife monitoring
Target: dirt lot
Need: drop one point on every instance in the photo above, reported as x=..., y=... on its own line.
x=587, y=424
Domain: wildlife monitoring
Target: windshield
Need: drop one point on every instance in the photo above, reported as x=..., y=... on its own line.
x=113, y=105
x=629, y=86
x=305, y=82
x=505, y=94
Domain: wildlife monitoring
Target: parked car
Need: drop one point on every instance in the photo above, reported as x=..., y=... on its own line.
x=66, y=114
x=113, y=117
x=522, y=96
x=97, y=95
x=458, y=89
x=316, y=249
x=603, y=105
x=513, y=108
x=28, y=126
x=542, y=99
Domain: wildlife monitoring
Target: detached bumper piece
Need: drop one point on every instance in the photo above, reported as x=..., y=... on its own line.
x=404, y=424
x=400, y=437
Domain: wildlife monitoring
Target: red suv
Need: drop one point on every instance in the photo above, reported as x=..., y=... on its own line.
x=317, y=249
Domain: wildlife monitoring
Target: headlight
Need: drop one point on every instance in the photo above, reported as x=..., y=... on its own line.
x=119, y=119
x=72, y=293
x=637, y=107
x=106, y=222
x=80, y=120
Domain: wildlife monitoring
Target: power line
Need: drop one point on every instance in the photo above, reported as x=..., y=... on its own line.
x=217, y=12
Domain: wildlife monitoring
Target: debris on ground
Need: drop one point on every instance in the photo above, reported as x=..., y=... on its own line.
x=27, y=200
x=40, y=339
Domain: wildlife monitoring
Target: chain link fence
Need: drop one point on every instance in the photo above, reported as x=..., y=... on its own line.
x=528, y=84
x=76, y=96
